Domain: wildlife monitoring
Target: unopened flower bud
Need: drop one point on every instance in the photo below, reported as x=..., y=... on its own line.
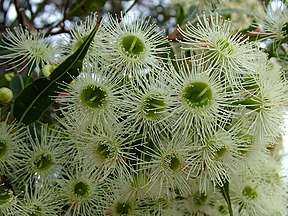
x=47, y=70
x=6, y=95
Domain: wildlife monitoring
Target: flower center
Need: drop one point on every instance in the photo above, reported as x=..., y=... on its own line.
x=250, y=193
x=81, y=189
x=199, y=199
x=103, y=151
x=3, y=148
x=94, y=97
x=172, y=162
x=132, y=46
x=43, y=162
x=123, y=208
x=197, y=95
x=220, y=153
x=153, y=106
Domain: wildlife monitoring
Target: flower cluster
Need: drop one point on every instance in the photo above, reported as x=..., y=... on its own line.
x=140, y=133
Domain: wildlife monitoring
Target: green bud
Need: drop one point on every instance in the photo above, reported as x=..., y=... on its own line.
x=6, y=95
x=47, y=70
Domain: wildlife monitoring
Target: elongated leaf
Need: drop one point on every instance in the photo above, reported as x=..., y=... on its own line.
x=225, y=192
x=37, y=97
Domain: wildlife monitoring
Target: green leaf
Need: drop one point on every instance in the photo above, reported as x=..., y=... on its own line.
x=38, y=96
x=225, y=192
x=18, y=83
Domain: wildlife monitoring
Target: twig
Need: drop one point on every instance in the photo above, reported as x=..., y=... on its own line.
x=131, y=6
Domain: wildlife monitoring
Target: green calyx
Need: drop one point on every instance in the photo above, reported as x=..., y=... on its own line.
x=153, y=106
x=250, y=193
x=132, y=46
x=94, y=97
x=199, y=199
x=3, y=147
x=172, y=162
x=123, y=209
x=5, y=195
x=103, y=151
x=43, y=162
x=197, y=95
x=81, y=189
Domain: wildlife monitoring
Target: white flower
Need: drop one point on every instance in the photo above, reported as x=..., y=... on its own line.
x=199, y=203
x=266, y=104
x=216, y=157
x=80, y=191
x=93, y=97
x=11, y=138
x=79, y=33
x=28, y=49
x=41, y=157
x=107, y=149
x=41, y=199
x=131, y=45
x=222, y=46
x=148, y=107
x=166, y=165
x=251, y=197
x=200, y=99
x=275, y=24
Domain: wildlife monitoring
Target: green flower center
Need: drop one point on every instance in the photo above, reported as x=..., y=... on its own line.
x=103, y=151
x=94, y=97
x=197, y=95
x=172, y=162
x=5, y=195
x=43, y=162
x=123, y=209
x=132, y=46
x=250, y=193
x=220, y=153
x=200, y=199
x=153, y=106
x=3, y=147
x=81, y=189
